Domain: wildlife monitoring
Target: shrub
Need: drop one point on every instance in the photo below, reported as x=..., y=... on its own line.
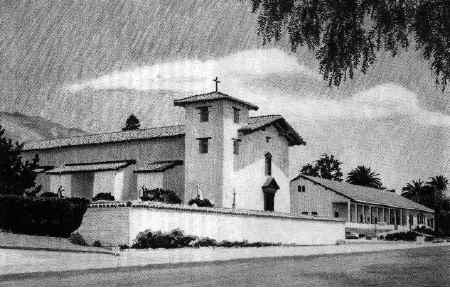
x=76, y=238
x=424, y=230
x=406, y=236
x=103, y=196
x=97, y=243
x=176, y=239
x=201, y=202
x=41, y=215
x=160, y=195
x=48, y=194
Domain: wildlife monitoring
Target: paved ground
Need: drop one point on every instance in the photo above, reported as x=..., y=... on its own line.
x=25, y=261
x=408, y=267
x=23, y=241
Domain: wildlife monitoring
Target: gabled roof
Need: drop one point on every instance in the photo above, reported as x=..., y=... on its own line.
x=365, y=194
x=93, y=166
x=122, y=136
x=212, y=96
x=285, y=129
x=158, y=166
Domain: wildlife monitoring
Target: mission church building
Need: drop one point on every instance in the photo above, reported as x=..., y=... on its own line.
x=220, y=153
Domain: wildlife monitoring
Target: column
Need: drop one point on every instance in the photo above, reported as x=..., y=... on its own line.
x=348, y=211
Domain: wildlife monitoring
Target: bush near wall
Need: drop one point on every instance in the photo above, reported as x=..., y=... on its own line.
x=103, y=196
x=201, y=202
x=177, y=239
x=41, y=216
x=160, y=195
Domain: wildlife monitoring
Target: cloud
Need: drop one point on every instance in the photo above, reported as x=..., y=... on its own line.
x=384, y=101
x=194, y=75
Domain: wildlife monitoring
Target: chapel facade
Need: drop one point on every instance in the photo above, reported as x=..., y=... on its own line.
x=221, y=153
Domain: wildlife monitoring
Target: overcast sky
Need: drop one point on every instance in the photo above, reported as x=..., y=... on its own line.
x=54, y=55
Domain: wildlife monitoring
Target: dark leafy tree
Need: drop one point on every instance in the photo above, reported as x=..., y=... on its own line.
x=132, y=123
x=364, y=176
x=438, y=201
x=327, y=166
x=346, y=34
x=16, y=175
x=309, y=169
x=414, y=190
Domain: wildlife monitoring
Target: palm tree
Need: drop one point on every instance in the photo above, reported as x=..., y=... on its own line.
x=437, y=187
x=364, y=176
x=414, y=190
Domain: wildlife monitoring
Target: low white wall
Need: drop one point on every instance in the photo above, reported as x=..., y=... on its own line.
x=219, y=224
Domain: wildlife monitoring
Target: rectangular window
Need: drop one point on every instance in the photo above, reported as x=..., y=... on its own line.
x=314, y=213
x=236, y=146
x=304, y=212
x=204, y=114
x=268, y=165
x=203, y=145
x=301, y=188
x=236, y=115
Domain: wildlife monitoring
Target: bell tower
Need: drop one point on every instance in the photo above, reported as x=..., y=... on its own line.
x=212, y=121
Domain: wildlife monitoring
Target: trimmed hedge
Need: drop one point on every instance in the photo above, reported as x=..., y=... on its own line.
x=48, y=194
x=103, y=196
x=41, y=215
x=176, y=239
x=201, y=202
x=406, y=236
x=160, y=195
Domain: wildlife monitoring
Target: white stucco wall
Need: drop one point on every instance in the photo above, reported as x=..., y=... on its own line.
x=206, y=223
x=314, y=199
x=150, y=180
x=63, y=180
x=104, y=181
x=249, y=170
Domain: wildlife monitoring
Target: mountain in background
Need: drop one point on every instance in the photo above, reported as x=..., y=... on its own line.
x=48, y=45
x=22, y=128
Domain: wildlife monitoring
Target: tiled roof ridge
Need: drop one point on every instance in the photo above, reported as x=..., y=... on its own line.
x=108, y=133
x=265, y=116
x=116, y=136
x=323, y=182
x=212, y=96
x=202, y=94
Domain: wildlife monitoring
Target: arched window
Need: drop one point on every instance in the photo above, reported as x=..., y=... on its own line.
x=268, y=157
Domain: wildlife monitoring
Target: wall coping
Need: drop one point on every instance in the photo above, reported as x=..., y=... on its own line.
x=159, y=205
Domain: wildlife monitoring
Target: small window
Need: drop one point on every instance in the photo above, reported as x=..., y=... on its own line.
x=204, y=114
x=301, y=188
x=236, y=146
x=268, y=139
x=203, y=145
x=314, y=213
x=268, y=170
x=236, y=115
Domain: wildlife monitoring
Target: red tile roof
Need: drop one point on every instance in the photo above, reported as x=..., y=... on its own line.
x=260, y=122
x=212, y=96
x=94, y=166
x=122, y=136
x=366, y=194
x=158, y=166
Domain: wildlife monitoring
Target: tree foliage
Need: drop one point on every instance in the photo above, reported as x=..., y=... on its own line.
x=16, y=175
x=327, y=166
x=364, y=176
x=432, y=194
x=132, y=123
x=346, y=34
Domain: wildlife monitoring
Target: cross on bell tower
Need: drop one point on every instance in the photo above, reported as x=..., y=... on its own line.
x=216, y=80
